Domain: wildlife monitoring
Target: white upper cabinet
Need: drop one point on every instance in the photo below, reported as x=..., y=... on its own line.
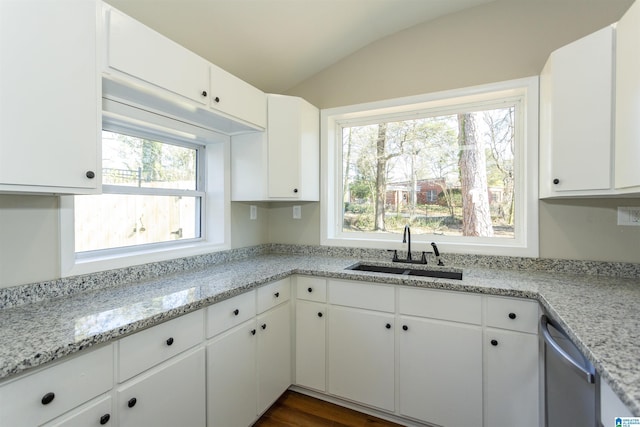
x=576, y=139
x=282, y=163
x=627, y=125
x=50, y=107
x=234, y=97
x=141, y=52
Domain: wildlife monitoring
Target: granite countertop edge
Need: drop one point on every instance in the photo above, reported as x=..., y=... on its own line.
x=211, y=284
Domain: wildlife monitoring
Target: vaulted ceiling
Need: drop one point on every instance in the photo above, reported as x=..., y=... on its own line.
x=276, y=44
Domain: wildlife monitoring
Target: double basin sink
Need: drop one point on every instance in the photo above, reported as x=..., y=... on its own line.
x=408, y=271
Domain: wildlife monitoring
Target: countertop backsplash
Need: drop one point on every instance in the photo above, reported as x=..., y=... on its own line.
x=34, y=292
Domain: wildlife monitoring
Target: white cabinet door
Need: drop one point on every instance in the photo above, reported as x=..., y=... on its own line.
x=627, y=126
x=576, y=117
x=361, y=356
x=231, y=377
x=511, y=390
x=237, y=98
x=49, y=96
x=274, y=354
x=139, y=51
x=293, y=133
x=440, y=378
x=171, y=395
x=310, y=344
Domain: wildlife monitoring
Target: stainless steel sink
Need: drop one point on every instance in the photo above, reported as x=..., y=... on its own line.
x=408, y=271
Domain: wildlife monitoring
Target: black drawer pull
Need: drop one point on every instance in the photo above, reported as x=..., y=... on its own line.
x=264, y=326
x=132, y=402
x=494, y=343
x=319, y=314
x=277, y=294
x=48, y=398
x=512, y=316
x=170, y=341
x=90, y=174
x=253, y=332
x=236, y=312
x=104, y=419
x=309, y=290
x=204, y=93
x=405, y=328
x=388, y=326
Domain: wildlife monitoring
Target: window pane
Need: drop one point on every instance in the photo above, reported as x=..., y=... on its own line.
x=132, y=161
x=114, y=220
x=445, y=175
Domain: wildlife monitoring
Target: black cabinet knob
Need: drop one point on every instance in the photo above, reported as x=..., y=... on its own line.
x=217, y=99
x=556, y=181
x=512, y=316
x=405, y=328
x=132, y=402
x=388, y=326
x=319, y=314
x=264, y=326
x=253, y=332
x=90, y=174
x=494, y=342
x=236, y=312
x=48, y=398
x=277, y=294
x=105, y=419
x=204, y=93
x=295, y=190
x=309, y=290
x=170, y=341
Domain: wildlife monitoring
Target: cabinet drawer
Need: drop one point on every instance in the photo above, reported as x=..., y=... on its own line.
x=453, y=306
x=145, y=349
x=229, y=313
x=69, y=383
x=273, y=294
x=362, y=295
x=96, y=413
x=515, y=314
x=311, y=288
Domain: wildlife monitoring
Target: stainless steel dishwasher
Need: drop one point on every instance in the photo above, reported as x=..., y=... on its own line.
x=571, y=382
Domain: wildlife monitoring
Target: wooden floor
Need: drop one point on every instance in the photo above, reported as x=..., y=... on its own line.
x=296, y=409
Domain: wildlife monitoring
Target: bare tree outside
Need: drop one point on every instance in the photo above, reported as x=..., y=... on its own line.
x=444, y=175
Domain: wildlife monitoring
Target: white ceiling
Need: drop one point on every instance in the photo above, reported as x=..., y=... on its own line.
x=276, y=44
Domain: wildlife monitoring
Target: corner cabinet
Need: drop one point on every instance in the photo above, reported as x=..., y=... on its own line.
x=50, y=102
x=282, y=163
x=576, y=116
x=627, y=126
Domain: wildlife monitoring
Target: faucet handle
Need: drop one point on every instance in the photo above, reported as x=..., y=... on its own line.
x=395, y=254
x=423, y=260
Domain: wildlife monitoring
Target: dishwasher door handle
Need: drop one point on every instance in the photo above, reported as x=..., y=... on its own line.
x=566, y=357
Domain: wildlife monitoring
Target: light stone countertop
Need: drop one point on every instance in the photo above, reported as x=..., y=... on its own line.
x=601, y=314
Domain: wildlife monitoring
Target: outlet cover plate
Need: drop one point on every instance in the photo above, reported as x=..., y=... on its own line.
x=628, y=215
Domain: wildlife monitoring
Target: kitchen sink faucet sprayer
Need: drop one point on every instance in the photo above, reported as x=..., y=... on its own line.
x=436, y=252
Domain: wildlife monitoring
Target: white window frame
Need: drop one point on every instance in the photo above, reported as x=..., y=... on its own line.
x=526, y=192
x=215, y=212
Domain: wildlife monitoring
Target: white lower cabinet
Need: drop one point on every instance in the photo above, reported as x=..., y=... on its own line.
x=231, y=377
x=512, y=383
x=172, y=394
x=361, y=356
x=440, y=371
x=274, y=355
x=311, y=332
x=36, y=398
x=95, y=413
x=248, y=365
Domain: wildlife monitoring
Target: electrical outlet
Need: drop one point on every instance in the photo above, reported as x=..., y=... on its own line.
x=297, y=212
x=628, y=215
x=253, y=212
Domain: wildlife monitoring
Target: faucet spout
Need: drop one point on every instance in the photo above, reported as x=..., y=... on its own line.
x=406, y=238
